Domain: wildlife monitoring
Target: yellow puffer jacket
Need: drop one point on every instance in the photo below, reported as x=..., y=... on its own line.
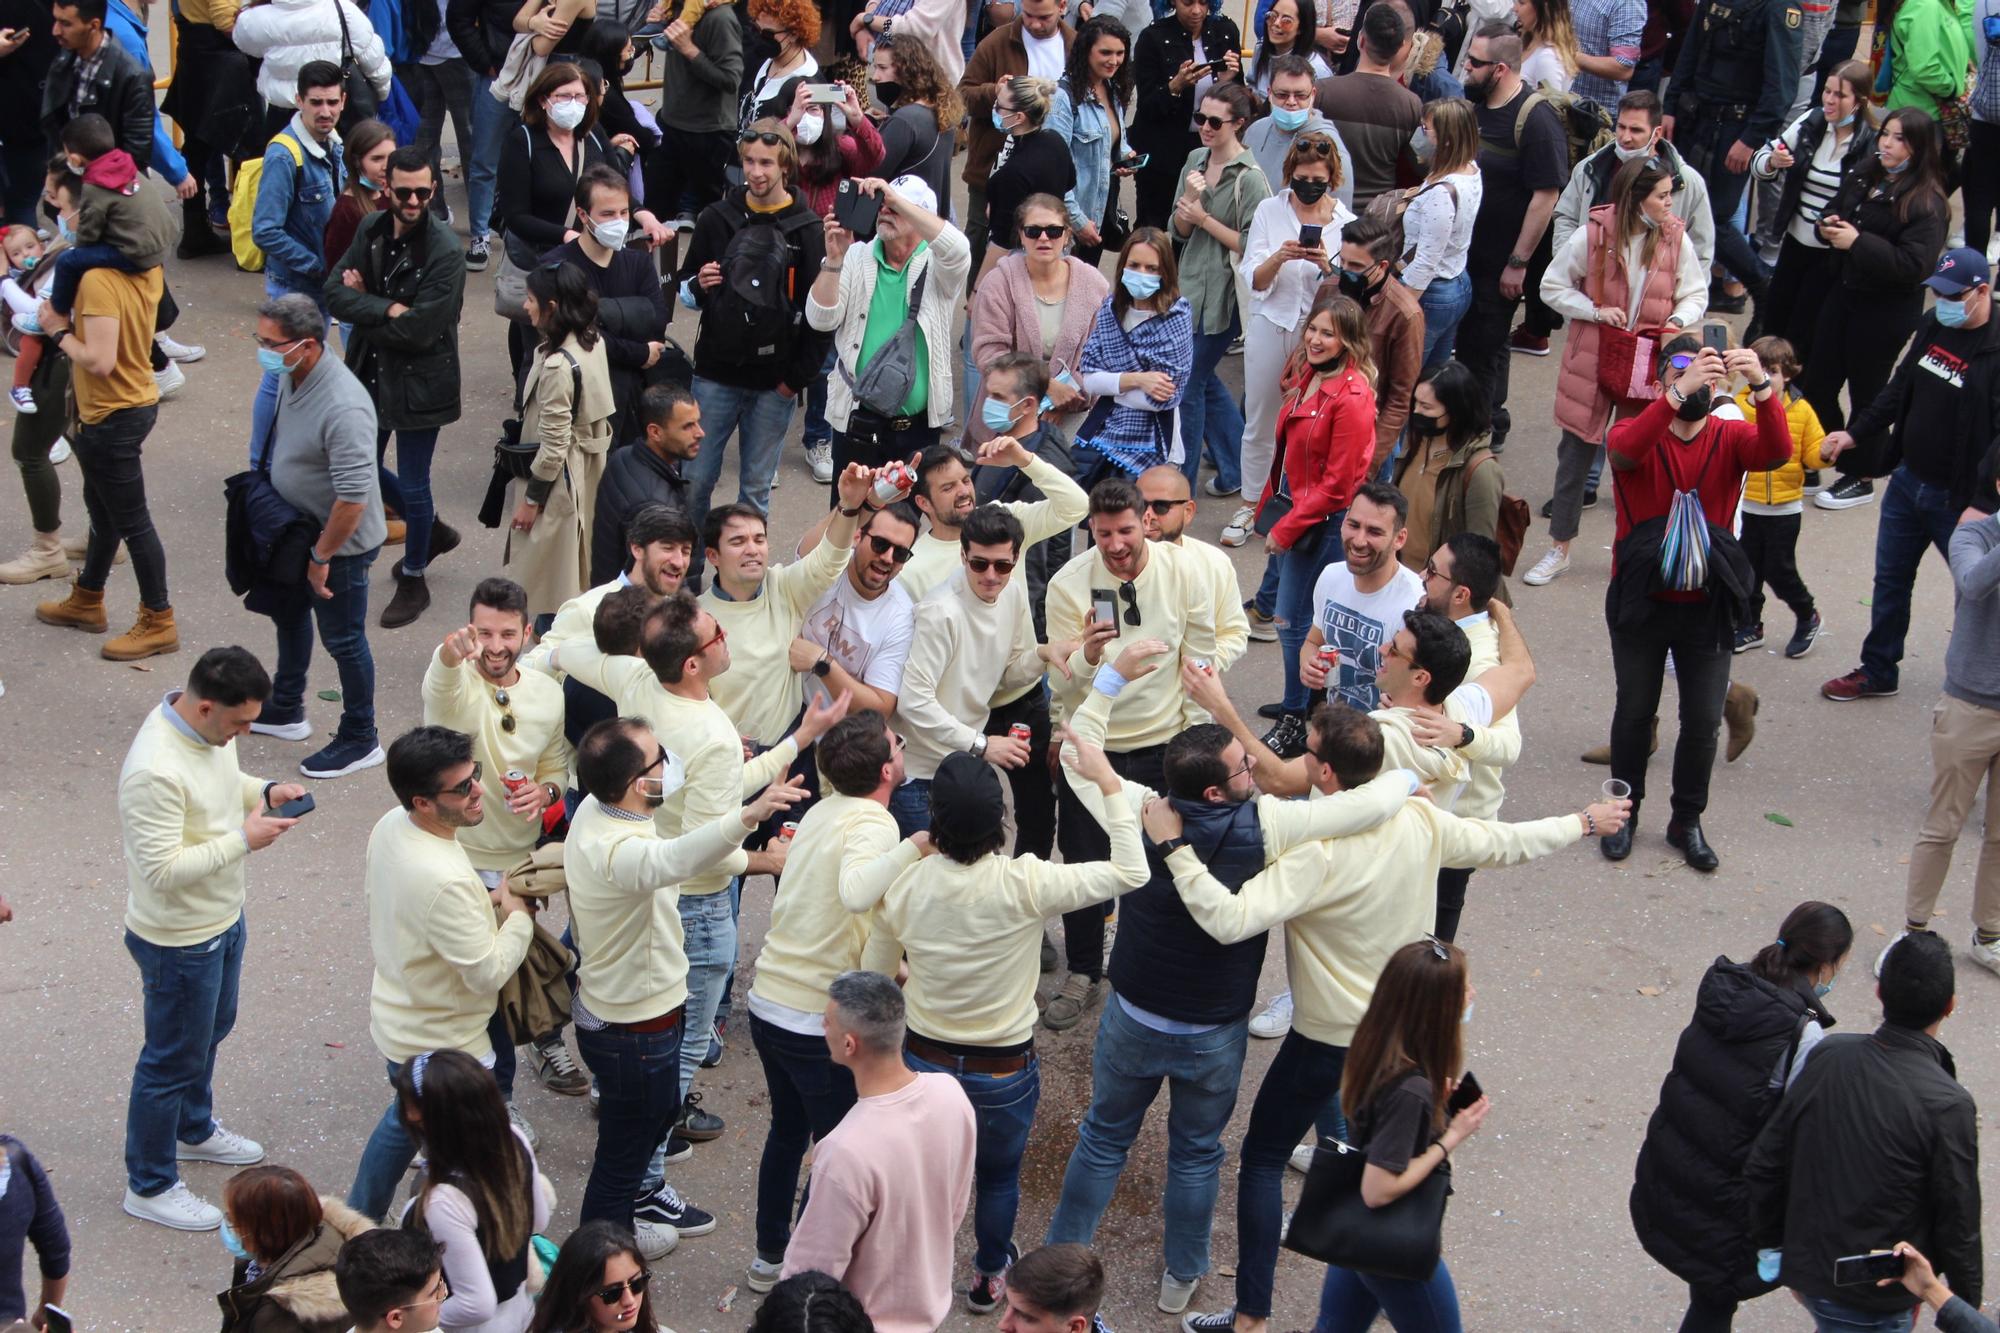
x=1786, y=484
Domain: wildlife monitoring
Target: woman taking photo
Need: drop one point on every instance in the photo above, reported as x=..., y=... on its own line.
x=1887, y=228
x=1034, y=160
x=284, y=1238
x=1630, y=266
x=1754, y=1025
x=789, y=29
x=365, y=152
x=1221, y=188
x=1040, y=301
x=918, y=112
x=1437, y=225
x=1448, y=471
x=1287, y=30
x=1135, y=362
x=567, y=408
x=1326, y=439
x=598, y=1284
x=1088, y=115
x=1548, y=43
x=1282, y=276
x=1819, y=153
x=1407, y=1055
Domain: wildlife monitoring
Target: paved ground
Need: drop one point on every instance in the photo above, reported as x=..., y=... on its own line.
x=1585, y=971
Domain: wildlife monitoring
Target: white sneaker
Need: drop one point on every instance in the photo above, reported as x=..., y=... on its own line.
x=656, y=1239
x=518, y=1121
x=223, y=1148
x=301, y=730
x=178, y=351
x=1237, y=530
x=1985, y=955
x=1895, y=940
x=762, y=1275
x=59, y=451
x=821, y=458
x=1552, y=563
x=1275, y=1021
x=170, y=381
x=176, y=1207
x=1302, y=1158
x=1175, y=1293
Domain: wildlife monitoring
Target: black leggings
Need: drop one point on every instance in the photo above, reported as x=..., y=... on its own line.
x=1708, y=1311
x=1792, y=304
x=1981, y=188
x=34, y=434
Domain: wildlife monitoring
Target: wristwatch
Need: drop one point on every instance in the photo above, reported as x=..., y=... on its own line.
x=1761, y=385
x=1517, y=261
x=978, y=747
x=1170, y=846
x=1464, y=736
x=822, y=668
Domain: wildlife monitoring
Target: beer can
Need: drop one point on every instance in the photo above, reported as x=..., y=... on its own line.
x=515, y=779
x=1021, y=732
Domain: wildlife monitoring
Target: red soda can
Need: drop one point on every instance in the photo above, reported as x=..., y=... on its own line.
x=514, y=779
x=788, y=829
x=1329, y=657
x=893, y=482
x=1021, y=732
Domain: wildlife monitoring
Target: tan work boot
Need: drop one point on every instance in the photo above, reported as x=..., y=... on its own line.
x=83, y=609
x=42, y=560
x=1602, y=754
x=77, y=547
x=1739, y=714
x=153, y=632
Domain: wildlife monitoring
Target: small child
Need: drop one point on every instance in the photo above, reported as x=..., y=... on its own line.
x=122, y=223
x=1773, y=503
x=22, y=289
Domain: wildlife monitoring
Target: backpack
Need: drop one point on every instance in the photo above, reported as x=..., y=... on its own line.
x=749, y=319
x=243, y=205
x=1586, y=125
x=1510, y=530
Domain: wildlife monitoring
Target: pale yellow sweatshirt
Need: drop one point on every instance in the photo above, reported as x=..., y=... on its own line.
x=1495, y=747
x=1174, y=596
x=463, y=699
x=440, y=960
x=973, y=934
x=181, y=807
x=1443, y=769
x=760, y=692
x=571, y=625
x=700, y=735
x=964, y=654
x=1348, y=903
x=1063, y=507
x=1224, y=600
x=624, y=907
x=813, y=938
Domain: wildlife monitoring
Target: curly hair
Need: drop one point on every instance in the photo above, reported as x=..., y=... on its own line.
x=800, y=18
x=917, y=70
x=1077, y=73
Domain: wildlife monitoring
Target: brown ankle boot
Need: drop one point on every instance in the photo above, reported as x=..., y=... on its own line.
x=43, y=560
x=83, y=609
x=153, y=632
x=1602, y=754
x=1739, y=715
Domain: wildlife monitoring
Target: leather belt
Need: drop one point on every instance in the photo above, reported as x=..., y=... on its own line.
x=883, y=423
x=925, y=1049
x=666, y=1022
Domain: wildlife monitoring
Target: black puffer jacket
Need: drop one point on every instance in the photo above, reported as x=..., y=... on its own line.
x=1894, y=253
x=634, y=477
x=1689, y=1202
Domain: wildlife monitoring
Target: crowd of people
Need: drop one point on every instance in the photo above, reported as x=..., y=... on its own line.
x=990, y=688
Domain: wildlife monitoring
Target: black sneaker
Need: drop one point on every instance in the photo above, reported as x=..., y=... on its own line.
x=1721, y=303
x=1215, y=1321
x=697, y=1125
x=1846, y=493
x=1813, y=484
x=713, y=1055
x=1590, y=499
x=1804, y=637
x=343, y=757
x=988, y=1293
x=1287, y=740
x=666, y=1206
x=1549, y=507
x=477, y=254
x=1748, y=637
x=678, y=1149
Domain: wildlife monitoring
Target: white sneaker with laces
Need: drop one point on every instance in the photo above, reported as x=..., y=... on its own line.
x=176, y=1206
x=1985, y=955
x=169, y=381
x=1176, y=1293
x=301, y=730
x=1237, y=530
x=520, y=1122
x=178, y=351
x=1893, y=942
x=1302, y=1158
x=1275, y=1021
x=223, y=1147
x=1553, y=562
x=762, y=1275
x=820, y=456
x=656, y=1239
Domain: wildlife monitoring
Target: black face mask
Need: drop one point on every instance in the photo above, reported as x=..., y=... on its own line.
x=1426, y=426
x=1695, y=407
x=887, y=93
x=1359, y=289
x=625, y=66
x=1308, y=191
x=760, y=47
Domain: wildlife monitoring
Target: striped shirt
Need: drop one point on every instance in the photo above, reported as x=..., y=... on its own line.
x=1607, y=28
x=1821, y=184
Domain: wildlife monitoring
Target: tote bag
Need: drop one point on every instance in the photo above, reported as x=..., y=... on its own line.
x=1401, y=1239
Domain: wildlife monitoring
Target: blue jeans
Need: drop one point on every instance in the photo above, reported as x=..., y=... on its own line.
x=343, y=628
x=818, y=429
x=492, y=122
x=1444, y=303
x=638, y=1076
x=264, y=408
x=1265, y=599
x=1298, y=569
x=78, y=260
x=1915, y=516
x=190, y=997
x=911, y=805
x=762, y=416
x=1349, y=1302
x=1210, y=412
x=1832, y=1317
x=388, y=1155
x=809, y=1095
x=1202, y=1072
x=408, y=489
x=1302, y=1076
x=1004, y=1108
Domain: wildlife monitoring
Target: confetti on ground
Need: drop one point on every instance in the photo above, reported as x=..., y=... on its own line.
x=331, y=696
x=1777, y=818
x=1876, y=926
x=728, y=1299
x=337, y=1045
x=138, y=666
x=1649, y=990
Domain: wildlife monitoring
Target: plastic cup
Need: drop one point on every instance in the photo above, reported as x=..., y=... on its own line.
x=1615, y=789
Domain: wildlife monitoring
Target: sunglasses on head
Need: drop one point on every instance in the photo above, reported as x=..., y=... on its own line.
x=463, y=788
x=636, y=1284
x=1053, y=231
x=1214, y=122
x=1312, y=146
x=1162, y=508
x=883, y=546
x=420, y=193
x=769, y=138
x=979, y=564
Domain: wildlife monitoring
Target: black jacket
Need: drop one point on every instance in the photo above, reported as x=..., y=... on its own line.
x=121, y=92
x=1741, y=53
x=1629, y=600
x=799, y=364
x=482, y=30
x=631, y=313
x=1876, y=1142
x=634, y=478
x=1730, y=1066
x=409, y=363
x=1893, y=254
x=1160, y=121
x=1812, y=132
x=1978, y=412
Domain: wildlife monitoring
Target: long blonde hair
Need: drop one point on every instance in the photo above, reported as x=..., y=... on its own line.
x=1553, y=28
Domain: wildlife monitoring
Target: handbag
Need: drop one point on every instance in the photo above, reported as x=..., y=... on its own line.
x=1510, y=531
x=267, y=539
x=1625, y=359
x=1401, y=1239
x=1954, y=119
x=361, y=100
x=1116, y=230
x=517, y=256
x=514, y=456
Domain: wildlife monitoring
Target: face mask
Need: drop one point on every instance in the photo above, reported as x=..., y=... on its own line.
x=1421, y=146
x=625, y=65
x=1844, y=121
x=1951, y=314
x=367, y=185
x=887, y=92
x=1357, y=286
x=1627, y=154
x=1695, y=408
x=1648, y=221
x=1898, y=169
x=65, y=229
x=1822, y=988
x=231, y=1242
x=1308, y=191
x=839, y=122
x=997, y=416
x=1466, y=1017
x=811, y=127
x=1142, y=286
x=611, y=235
x=567, y=115
x=762, y=46
x=1426, y=426
x=271, y=360
x=1000, y=120
x=75, y=168
x=1288, y=120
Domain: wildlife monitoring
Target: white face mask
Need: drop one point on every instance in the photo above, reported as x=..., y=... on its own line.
x=611, y=235
x=811, y=126
x=566, y=115
x=1627, y=154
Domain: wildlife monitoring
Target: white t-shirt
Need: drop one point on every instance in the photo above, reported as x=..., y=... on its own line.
x=1358, y=624
x=1045, y=55
x=870, y=639
x=1545, y=66
x=1472, y=705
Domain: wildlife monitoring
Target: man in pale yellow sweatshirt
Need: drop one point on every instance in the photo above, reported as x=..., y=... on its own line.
x=1170, y=508
x=440, y=960
x=190, y=817
x=945, y=495
x=661, y=544
x=515, y=718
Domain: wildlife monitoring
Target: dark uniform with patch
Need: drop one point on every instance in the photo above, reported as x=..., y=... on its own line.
x=1736, y=79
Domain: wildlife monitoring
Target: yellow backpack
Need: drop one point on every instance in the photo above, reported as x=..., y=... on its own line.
x=243, y=205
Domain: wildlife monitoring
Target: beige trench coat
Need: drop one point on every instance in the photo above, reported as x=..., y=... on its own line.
x=552, y=559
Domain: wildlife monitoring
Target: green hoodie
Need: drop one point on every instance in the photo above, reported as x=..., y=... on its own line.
x=1932, y=45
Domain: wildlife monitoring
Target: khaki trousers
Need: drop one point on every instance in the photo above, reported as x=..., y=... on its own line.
x=1965, y=750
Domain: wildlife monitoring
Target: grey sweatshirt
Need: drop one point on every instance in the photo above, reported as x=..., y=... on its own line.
x=323, y=449
x=1972, y=659
x=699, y=96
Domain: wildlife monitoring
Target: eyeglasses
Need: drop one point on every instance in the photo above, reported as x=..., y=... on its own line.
x=441, y=1295
x=979, y=564
x=635, y=1284
x=464, y=788
x=572, y=98
x=902, y=741
x=1313, y=145
x=883, y=546
x=280, y=346
x=1214, y=122
x=1130, y=596
x=1681, y=360
x=1431, y=571
x=769, y=138
x=1045, y=231
x=1248, y=764
x=721, y=636
x=507, y=723
x=1161, y=508
x=420, y=193
x=1281, y=20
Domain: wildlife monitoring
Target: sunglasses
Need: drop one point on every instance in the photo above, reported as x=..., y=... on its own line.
x=1214, y=122
x=1474, y=62
x=464, y=788
x=507, y=722
x=769, y=139
x=1438, y=949
x=1312, y=146
x=979, y=564
x=721, y=636
x=612, y=1294
x=1045, y=232
x=1161, y=508
x=883, y=546
x=420, y=193
x=1681, y=360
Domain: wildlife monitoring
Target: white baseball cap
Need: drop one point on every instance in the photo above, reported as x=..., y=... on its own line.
x=916, y=191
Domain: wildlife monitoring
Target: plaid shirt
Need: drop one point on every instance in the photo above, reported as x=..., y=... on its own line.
x=86, y=73
x=1607, y=27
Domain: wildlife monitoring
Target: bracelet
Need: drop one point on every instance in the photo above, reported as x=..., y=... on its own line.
x=828, y=266
x=1589, y=825
x=313, y=555
x=856, y=512
x=1760, y=386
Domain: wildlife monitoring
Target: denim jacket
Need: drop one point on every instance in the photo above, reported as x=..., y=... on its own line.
x=1086, y=129
x=294, y=202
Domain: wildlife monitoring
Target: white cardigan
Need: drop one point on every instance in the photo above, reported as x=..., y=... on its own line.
x=287, y=34
x=948, y=259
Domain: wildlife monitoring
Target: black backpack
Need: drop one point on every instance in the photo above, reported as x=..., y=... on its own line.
x=749, y=319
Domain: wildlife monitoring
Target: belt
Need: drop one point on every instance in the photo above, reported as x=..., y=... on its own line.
x=880, y=422
x=925, y=1049
x=666, y=1022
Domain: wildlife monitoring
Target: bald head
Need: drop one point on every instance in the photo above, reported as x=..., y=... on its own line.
x=1165, y=486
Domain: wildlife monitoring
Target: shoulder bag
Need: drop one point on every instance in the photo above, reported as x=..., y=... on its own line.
x=1403, y=1239
x=1511, y=530
x=517, y=256
x=361, y=99
x=885, y=382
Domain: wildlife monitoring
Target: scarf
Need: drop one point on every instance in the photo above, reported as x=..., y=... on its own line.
x=1136, y=438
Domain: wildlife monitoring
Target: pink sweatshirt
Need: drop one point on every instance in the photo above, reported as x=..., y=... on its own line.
x=883, y=1229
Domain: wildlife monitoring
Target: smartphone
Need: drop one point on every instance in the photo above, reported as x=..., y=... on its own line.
x=1715, y=335
x=1465, y=1094
x=1857, y=1270
x=1135, y=161
x=1218, y=66
x=827, y=94
x=58, y=1320
x=1103, y=606
x=856, y=210
x=293, y=809
x=1309, y=233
